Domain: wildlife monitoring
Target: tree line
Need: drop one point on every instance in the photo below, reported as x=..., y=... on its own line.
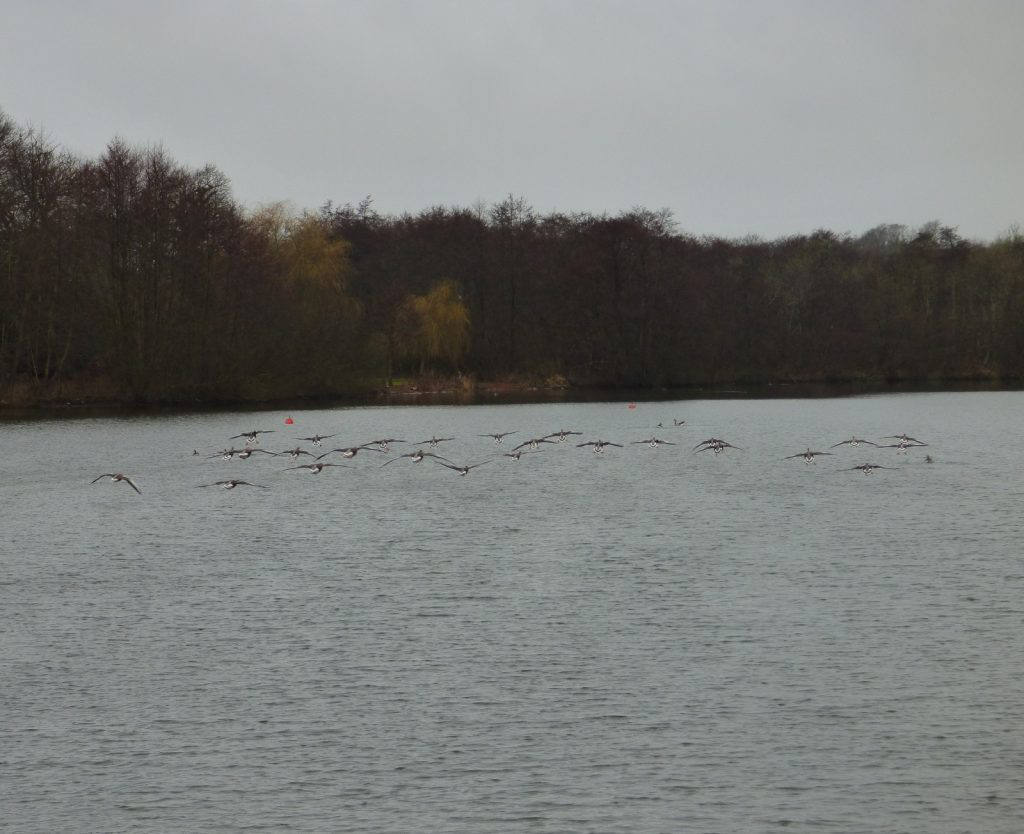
x=131, y=277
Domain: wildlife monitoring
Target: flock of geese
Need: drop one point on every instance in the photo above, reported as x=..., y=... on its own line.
x=715, y=445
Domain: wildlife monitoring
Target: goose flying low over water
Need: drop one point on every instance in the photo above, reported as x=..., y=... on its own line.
x=533, y=443
x=653, y=442
x=315, y=468
x=515, y=454
x=226, y=454
x=464, y=470
x=905, y=438
x=866, y=468
x=853, y=441
x=498, y=437
x=384, y=445
x=598, y=445
x=349, y=451
x=901, y=447
x=296, y=452
x=433, y=441
x=231, y=484
x=715, y=444
x=808, y=456
x=318, y=439
x=252, y=436
x=247, y=453
x=561, y=435
x=117, y=477
x=415, y=457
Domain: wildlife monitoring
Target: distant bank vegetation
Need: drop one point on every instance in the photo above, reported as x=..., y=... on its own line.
x=132, y=278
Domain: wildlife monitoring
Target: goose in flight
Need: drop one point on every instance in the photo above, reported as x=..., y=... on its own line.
x=295, y=453
x=316, y=468
x=433, y=441
x=464, y=470
x=515, y=454
x=226, y=454
x=318, y=439
x=533, y=443
x=561, y=435
x=867, y=468
x=715, y=444
x=598, y=445
x=231, y=484
x=901, y=447
x=498, y=436
x=349, y=451
x=252, y=436
x=905, y=438
x=116, y=477
x=415, y=457
x=384, y=445
x=653, y=442
x=853, y=441
x=808, y=456
x=246, y=453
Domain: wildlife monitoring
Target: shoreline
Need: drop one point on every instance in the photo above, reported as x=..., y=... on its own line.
x=454, y=392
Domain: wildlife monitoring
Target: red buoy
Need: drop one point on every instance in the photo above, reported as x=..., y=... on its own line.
x=288, y=421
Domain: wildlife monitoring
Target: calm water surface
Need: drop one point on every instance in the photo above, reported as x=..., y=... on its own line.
x=652, y=640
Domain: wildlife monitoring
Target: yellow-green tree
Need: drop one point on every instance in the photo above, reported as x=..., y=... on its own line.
x=308, y=299
x=436, y=326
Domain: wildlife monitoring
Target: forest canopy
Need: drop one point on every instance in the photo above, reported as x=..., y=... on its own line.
x=133, y=278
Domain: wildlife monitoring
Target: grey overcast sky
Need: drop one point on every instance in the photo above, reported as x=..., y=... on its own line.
x=768, y=118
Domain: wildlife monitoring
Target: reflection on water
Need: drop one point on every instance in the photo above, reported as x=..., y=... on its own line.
x=646, y=640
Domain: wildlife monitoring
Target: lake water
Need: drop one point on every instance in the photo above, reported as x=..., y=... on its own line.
x=651, y=640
